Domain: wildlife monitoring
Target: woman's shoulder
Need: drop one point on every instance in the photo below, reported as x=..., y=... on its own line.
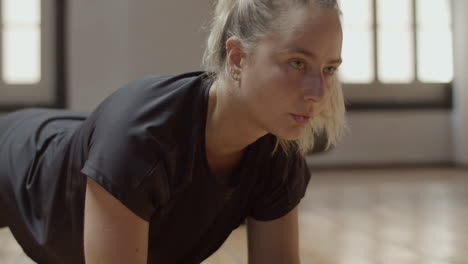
x=154, y=89
x=161, y=105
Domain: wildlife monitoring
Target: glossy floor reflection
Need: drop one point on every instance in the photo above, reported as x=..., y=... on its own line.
x=395, y=216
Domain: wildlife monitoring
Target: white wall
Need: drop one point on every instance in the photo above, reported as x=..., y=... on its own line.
x=114, y=41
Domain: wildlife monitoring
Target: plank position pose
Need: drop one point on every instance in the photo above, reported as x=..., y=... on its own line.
x=166, y=167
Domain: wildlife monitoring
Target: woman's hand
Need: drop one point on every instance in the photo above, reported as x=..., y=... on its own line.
x=112, y=233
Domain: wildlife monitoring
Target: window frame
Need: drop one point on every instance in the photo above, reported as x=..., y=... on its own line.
x=414, y=95
x=50, y=91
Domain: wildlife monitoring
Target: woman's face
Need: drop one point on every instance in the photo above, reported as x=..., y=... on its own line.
x=287, y=79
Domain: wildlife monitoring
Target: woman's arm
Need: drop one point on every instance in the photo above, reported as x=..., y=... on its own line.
x=274, y=242
x=112, y=233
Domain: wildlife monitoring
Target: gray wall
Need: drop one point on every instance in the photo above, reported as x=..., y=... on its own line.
x=112, y=42
x=460, y=113
x=402, y=138
x=115, y=41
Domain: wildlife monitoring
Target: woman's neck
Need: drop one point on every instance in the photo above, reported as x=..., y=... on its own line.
x=229, y=129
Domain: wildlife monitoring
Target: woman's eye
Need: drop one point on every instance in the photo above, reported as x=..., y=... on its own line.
x=297, y=64
x=330, y=70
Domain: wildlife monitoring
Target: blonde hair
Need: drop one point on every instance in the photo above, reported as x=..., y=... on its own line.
x=249, y=21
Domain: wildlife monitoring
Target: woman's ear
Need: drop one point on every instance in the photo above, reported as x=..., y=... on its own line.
x=235, y=52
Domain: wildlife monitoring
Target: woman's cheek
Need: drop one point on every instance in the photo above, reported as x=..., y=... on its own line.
x=293, y=80
x=285, y=74
x=276, y=72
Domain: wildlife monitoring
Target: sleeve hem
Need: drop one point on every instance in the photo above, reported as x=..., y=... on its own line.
x=113, y=189
x=280, y=213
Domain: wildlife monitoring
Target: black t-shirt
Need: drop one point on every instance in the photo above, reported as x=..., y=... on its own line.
x=145, y=145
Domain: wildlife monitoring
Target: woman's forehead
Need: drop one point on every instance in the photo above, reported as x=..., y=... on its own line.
x=316, y=30
x=308, y=19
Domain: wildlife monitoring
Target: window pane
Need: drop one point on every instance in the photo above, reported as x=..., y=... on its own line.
x=358, y=66
x=21, y=11
x=434, y=34
x=21, y=55
x=396, y=63
x=356, y=12
x=433, y=13
x=395, y=41
x=435, y=66
x=21, y=41
x=392, y=13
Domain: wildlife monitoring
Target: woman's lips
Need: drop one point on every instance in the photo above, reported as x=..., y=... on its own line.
x=302, y=119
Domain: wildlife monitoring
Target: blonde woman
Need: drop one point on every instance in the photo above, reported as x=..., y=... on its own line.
x=166, y=167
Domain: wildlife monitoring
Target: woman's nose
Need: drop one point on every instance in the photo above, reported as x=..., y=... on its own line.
x=315, y=88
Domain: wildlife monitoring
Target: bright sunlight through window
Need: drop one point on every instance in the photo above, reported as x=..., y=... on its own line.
x=21, y=41
x=402, y=46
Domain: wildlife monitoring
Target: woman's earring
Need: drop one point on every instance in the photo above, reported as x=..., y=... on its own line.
x=235, y=74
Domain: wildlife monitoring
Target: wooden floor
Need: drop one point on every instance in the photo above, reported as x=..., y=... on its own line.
x=364, y=216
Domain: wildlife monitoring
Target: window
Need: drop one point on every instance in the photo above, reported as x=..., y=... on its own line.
x=397, y=52
x=31, y=53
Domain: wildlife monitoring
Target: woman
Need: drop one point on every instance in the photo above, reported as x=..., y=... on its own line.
x=166, y=167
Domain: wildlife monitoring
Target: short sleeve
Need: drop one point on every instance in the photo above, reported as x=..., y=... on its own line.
x=286, y=184
x=121, y=155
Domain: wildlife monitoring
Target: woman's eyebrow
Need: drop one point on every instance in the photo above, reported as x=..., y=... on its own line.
x=310, y=54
